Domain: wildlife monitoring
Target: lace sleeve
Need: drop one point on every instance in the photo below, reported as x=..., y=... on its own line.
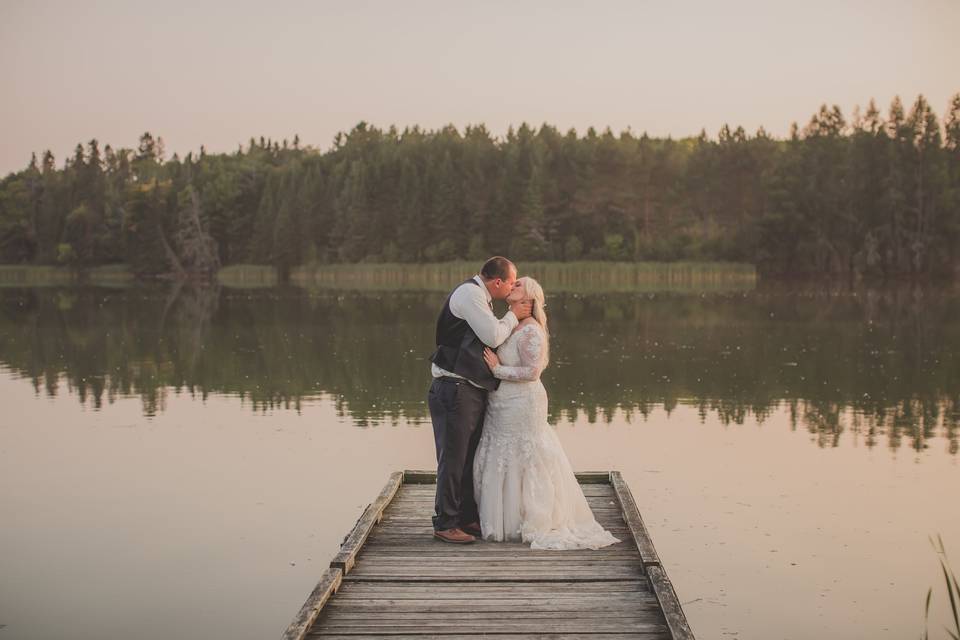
x=530, y=348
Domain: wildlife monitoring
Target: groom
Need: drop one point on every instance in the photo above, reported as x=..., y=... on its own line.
x=458, y=395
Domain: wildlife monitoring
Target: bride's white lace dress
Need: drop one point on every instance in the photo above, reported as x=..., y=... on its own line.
x=524, y=485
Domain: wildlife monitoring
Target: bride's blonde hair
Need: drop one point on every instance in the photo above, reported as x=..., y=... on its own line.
x=539, y=312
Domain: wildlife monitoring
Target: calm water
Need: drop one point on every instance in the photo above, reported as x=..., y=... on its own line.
x=184, y=462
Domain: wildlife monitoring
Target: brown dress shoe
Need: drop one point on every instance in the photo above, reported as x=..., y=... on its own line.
x=473, y=529
x=455, y=536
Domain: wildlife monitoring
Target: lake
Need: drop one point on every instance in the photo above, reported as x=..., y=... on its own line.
x=183, y=462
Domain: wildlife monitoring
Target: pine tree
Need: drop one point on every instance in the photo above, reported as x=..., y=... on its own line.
x=411, y=215
x=261, y=240
x=530, y=241
x=445, y=215
x=142, y=230
x=144, y=164
x=896, y=189
x=867, y=148
x=952, y=196
x=287, y=237
x=928, y=180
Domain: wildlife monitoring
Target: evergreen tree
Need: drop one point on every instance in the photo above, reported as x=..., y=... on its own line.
x=261, y=241
x=144, y=165
x=410, y=230
x=530, y=240
x=142, y=230
x=951, y=235
x=897, y=154
x=928, y=183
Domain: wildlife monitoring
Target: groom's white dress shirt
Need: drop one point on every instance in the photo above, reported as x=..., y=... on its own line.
x=474, y=304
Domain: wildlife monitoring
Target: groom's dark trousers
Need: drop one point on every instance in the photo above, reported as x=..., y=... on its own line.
x=456, y=409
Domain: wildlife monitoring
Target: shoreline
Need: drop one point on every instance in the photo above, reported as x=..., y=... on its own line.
x=567, y=277
x=562, y=276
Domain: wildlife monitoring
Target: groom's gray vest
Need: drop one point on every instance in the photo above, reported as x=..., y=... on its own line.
x=459, y=350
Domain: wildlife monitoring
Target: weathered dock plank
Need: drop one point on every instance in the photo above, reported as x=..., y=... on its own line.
x=308, y=612
x=371, y=516
x=391, y=579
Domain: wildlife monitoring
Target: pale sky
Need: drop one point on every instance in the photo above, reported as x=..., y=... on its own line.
x=217, y=73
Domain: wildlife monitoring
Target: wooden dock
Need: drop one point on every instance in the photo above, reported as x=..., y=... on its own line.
x=391, y=579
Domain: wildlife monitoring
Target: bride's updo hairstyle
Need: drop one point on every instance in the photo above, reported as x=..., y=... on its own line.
x=539, y=312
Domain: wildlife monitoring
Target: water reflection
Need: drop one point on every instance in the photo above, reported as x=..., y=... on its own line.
x=880, y=364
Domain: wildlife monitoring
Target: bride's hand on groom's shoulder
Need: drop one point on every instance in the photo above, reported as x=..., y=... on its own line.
x=490, y=358
x=522, y=309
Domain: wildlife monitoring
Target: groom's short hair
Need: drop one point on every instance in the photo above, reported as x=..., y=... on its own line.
x=496, y=267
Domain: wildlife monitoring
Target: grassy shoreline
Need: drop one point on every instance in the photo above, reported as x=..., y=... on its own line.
x=582, y=276
x=45, y=275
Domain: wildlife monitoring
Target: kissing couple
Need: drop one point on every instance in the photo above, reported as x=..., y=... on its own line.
x=501, y=471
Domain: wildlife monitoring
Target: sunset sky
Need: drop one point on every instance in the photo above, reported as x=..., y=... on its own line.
x=217, y=73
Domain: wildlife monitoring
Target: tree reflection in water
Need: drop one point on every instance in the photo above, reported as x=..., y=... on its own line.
x=881, y=364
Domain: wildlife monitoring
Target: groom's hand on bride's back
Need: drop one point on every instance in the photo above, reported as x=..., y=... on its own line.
x=522, y=309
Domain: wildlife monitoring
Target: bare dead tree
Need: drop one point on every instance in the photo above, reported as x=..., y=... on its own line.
x=197, y=250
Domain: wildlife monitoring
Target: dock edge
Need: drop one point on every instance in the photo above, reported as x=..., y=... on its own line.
x=345, y=559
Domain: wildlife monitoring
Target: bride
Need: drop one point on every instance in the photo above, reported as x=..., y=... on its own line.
x=525, y=487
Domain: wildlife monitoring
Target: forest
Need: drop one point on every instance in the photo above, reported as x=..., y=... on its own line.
x=871, y=195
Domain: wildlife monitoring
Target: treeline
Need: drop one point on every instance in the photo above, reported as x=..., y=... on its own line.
x=873, y=195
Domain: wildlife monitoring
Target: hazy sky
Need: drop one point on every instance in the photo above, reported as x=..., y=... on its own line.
x=217, y=73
